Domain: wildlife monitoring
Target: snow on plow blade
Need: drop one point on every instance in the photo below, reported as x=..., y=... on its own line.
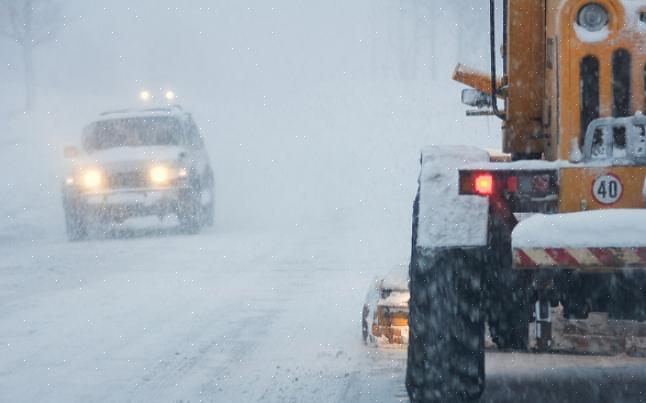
x=592, y=241
x=385, y=325
x=385, y=313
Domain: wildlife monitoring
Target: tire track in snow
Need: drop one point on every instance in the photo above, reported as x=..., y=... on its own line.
x=224, y=354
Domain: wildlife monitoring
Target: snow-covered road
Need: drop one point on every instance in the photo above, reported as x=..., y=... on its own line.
x=232, y=315
x=229, y=315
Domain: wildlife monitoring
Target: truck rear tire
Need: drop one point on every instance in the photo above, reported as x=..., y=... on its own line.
x=446, y=307
x=446, y=345
x=507, y=293
x=509, y=319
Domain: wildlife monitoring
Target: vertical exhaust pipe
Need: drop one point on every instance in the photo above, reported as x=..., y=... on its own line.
x=492, y=39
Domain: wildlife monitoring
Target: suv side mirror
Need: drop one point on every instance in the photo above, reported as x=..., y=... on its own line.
x=71, y=152
x=476, y=99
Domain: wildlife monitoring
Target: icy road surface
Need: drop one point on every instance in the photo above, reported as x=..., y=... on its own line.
x=231, y=316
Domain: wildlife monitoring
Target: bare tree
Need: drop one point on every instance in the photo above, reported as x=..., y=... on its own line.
x=30, y=23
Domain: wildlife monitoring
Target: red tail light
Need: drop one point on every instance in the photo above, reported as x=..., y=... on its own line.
x=512, y=184
x=484, y=184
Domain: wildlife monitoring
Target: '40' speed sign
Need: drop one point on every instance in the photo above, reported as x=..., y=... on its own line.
x=607, y=189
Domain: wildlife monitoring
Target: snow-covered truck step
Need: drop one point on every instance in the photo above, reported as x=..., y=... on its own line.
x=587, y=241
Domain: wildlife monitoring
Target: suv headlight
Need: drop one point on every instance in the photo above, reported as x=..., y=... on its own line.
x=159, y=174
x=92, y=179
x=164, y=174
x=593, y=17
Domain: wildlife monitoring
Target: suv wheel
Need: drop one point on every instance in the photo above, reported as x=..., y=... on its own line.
x=75, y=223
x=196, y=205
x=188, y=213
x=207, y=201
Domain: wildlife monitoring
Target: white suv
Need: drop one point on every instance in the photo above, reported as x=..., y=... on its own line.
x=139, y=163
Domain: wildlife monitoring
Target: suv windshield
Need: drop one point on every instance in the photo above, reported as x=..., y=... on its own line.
x=132, y=132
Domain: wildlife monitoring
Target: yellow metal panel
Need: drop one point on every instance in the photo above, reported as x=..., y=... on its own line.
x=474, y=78
x=400, y=319
x=572, y=50
x=550, y=107
x=576, y=188
x=523, y=128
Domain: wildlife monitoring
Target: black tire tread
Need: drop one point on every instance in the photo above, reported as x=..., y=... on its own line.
x=446, y=344
x=507, y=293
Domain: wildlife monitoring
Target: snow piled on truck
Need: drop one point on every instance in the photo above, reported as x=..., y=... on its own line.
x=447, y=219
x=590, y=229
x=396, y=279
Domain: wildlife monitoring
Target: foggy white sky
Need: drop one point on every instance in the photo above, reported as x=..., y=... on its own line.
x=307, y=106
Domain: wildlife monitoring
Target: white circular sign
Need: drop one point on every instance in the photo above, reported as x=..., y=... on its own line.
x=607, y=189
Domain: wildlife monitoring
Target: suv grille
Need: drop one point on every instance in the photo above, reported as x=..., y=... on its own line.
x=127, y=180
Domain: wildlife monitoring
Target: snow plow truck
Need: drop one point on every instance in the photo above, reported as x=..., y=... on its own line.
x=562, y=223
